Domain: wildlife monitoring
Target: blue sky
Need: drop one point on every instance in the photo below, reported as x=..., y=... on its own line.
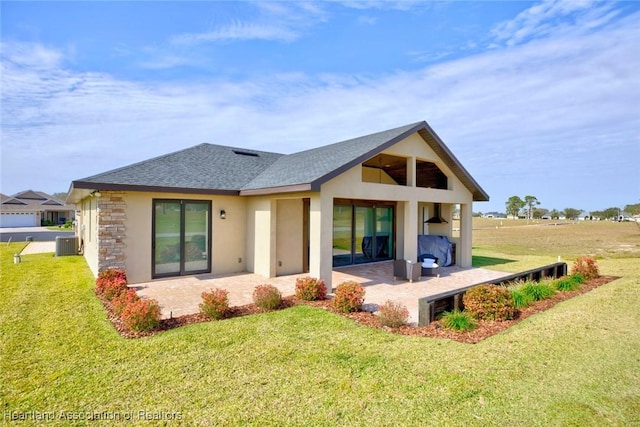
x=534, y=98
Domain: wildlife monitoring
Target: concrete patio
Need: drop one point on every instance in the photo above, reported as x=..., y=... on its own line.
x=180, y=296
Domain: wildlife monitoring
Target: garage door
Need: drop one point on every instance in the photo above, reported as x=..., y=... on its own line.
x=17, y=220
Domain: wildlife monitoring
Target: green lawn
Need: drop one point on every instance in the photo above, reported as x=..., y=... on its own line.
x=576, y=364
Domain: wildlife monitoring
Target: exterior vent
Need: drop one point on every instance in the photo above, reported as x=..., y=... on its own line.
x=66, y=246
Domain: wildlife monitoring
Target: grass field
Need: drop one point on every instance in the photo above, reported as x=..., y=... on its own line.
x=576, y=364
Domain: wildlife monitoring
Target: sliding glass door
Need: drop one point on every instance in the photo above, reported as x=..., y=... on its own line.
x=362, y=233
x=181, y=237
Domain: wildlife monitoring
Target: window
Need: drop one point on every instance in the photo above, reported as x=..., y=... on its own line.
x=362, y=232
x=181, y=238
x=385, y=169
x=429, y=175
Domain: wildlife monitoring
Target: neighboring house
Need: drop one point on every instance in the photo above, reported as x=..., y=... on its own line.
x=217, y=209
x=33, y=209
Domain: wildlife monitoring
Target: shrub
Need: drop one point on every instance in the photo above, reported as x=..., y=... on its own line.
x=569, y=283
x=459, y=321
x=141, y=315
x=215, y=303
x=587, y=267
x=310, y=289
x=111, y=283
x=121, y=301
x=521, y=299
x=393, y=314
x=267, y=297
x=489, y=302
x=348, y=297
x=538, y=290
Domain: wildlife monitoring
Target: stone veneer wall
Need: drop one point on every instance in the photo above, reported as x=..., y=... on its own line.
x=112, y=231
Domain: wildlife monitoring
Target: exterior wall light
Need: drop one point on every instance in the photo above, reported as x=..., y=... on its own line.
x=223, y=214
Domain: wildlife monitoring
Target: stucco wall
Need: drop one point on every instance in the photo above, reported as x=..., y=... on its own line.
x=228, y=235
x=87, y=231
x=289, y=236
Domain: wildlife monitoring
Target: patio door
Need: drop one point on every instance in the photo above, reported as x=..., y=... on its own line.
x=362, y=232
x=181, y=241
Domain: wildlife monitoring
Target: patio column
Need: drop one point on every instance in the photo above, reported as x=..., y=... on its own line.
x=410, y=230
x=463, y=253
x=321, y=238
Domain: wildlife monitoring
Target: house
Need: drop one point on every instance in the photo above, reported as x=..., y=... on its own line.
x=32, y=209
x=218, y=209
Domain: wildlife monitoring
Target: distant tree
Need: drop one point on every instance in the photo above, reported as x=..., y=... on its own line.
x=540, y=212
x=513, y=205
x=554, y=214
x=530, y=201
x=611, y=213
x=632, y=209
x=60, y=196
x=571, y=213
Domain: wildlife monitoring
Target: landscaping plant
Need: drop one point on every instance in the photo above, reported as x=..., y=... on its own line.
x=538, y=290
x=460, y=321
x=125, y=298
x=215, y=303
x=489, y=302
x=569, y=283
x=393, y=314
x=521, y=299
x=142, y=315
x=587, y=267
x=310, y=289
x=110, y=283
x=348, y=297
x=267, y=297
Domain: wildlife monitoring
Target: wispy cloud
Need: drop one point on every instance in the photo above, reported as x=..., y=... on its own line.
x=275, y=21
x=525, y=113
x=554, y=16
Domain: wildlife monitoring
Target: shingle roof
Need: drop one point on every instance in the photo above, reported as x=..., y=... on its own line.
x=216, y=169
x=203, y=168
x=32, y=201
x=311, y=166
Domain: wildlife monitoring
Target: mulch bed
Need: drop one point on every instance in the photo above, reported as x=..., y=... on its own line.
x=484, y=330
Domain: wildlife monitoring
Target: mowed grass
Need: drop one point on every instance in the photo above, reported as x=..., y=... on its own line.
x=576, y=364
x=515, y=245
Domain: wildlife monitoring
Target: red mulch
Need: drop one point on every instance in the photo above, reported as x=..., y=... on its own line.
x=484, y=330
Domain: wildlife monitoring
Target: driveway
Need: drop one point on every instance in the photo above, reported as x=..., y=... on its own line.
x=38, y=234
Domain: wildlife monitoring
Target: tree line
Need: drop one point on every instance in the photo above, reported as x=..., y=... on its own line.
x=528, y=206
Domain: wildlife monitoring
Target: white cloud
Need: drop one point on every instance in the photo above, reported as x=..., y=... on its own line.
x=562, y=109
x=554, y=17
x=275, y=21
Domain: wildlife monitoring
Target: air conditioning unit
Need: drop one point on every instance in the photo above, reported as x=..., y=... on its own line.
x=66, y=246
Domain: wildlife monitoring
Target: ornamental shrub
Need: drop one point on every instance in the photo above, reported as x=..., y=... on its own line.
x=587, y=267
x=142, y=315
x=393, y=314
x=125, y=298
x=489, y=302
x=348, y=297
x=111, y=283
x=310, y=289
x=569, y=283
x=521, y=299
x=267, y=297
x=459, y=321
x=215, y=303
x=538, y=290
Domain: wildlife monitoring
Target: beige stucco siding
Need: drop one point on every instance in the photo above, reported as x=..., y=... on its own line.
x=87, y=232
x=228, y=235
